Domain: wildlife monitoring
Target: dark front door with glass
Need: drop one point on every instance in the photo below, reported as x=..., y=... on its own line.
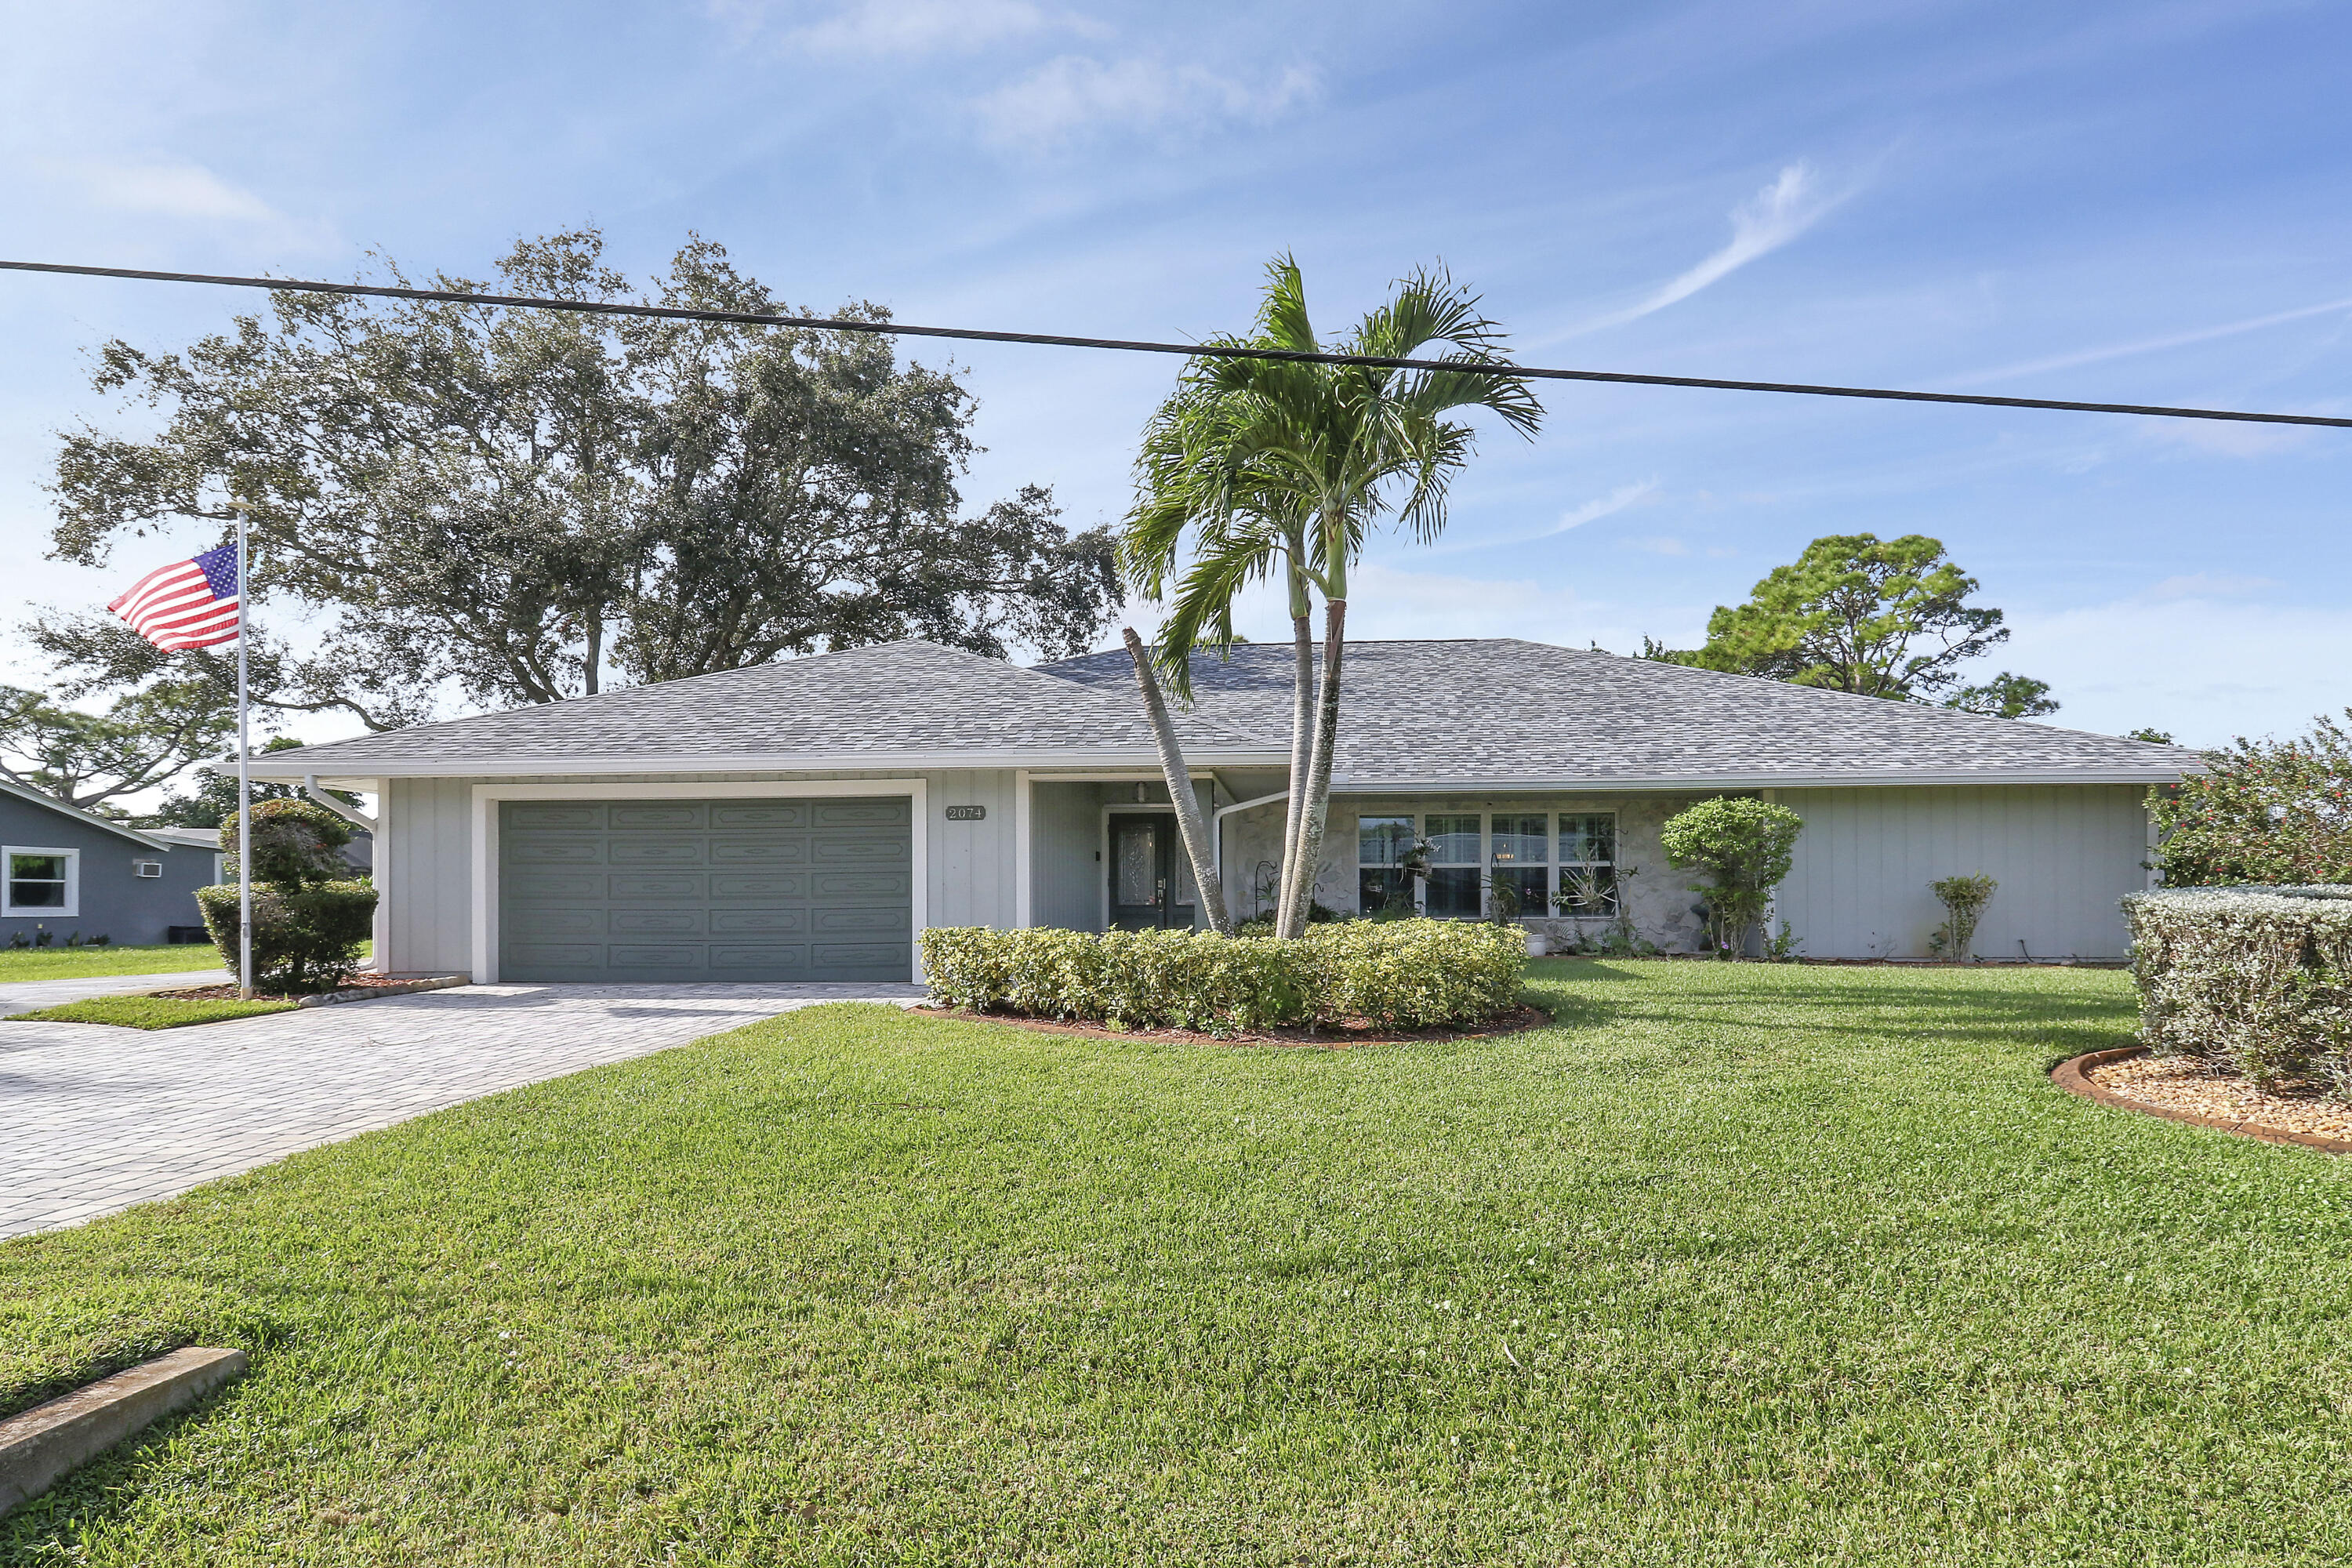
x=1150, y=877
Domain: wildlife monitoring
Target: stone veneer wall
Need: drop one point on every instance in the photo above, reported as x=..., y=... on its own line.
x=1658, y=896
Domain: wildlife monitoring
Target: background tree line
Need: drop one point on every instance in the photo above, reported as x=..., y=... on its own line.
x=517, y=507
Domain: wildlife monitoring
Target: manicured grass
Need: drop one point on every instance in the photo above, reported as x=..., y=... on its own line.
x=22, y=963
x=149, y=1012
x=1737, y=1264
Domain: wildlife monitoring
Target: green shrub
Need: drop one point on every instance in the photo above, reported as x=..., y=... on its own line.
x=1744, y=846
x=1964, y=899
x=2263, y=813
x=2258, y=980
x=296, y=844
x=304, y=938
x=1411, y=974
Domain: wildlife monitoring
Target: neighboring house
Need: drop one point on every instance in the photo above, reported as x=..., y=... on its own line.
x=359, y=854
x=804, y=820
x=71, y=873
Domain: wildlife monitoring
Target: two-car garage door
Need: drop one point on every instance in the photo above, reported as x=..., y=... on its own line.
x=706, y=889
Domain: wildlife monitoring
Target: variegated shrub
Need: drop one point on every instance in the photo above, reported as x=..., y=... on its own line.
x=2258, y=980
x=1411, y=973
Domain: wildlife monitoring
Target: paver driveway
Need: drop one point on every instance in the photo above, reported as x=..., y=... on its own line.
x=94, y=1118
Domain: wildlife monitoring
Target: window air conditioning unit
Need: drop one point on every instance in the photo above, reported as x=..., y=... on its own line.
x=146, y=867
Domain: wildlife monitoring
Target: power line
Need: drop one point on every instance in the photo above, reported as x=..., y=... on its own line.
x=1124, y=346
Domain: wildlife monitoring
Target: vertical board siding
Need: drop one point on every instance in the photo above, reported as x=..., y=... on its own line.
x=1065, y=833
x=2064, y=856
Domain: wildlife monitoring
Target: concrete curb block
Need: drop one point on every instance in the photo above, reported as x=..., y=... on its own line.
x=47, y=1441
x=398, y=988
x=358, y=994
x=2073, y=1077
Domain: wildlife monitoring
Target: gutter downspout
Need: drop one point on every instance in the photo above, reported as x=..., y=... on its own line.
x=355, y=817
x=1217, y=826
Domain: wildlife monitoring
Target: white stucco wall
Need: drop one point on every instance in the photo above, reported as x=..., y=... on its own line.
x=425, y=854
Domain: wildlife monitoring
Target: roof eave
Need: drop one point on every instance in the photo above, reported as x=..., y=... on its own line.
x=1921, y=778
x=296, y=765
x=89, y=818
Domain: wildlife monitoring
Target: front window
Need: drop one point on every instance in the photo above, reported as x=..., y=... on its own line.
x=1521, y=865
x=1384, y=883
x=1588, y=863
x=1455, y=863
x=41, y=882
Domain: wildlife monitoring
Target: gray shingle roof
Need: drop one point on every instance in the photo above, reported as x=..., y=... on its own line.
x=1471, y=712
x=1494, y=711
x=884, y=703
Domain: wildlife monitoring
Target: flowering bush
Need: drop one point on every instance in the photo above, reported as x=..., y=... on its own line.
x=2268, y=812
x=2255, y=979
x=1413, y=974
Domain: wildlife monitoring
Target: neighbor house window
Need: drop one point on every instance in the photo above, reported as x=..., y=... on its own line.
x=43, y=882
x=1588, y=863
x=1521, y=855
x=1455, y=867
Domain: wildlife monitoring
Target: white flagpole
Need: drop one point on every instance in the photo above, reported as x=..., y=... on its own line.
x=244, y=789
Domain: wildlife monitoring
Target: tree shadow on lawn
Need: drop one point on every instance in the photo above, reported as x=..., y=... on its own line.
x=1773, y=1000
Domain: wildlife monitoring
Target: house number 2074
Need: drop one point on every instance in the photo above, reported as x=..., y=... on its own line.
x=967, y=813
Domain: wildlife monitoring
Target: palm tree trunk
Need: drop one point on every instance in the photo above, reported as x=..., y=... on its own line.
x=1195, y=833
x=1302, y=746
x=1318, y=767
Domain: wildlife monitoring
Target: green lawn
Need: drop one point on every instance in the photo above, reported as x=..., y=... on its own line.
x=1737, y=1264
x=151, y=1011
x=22, y=963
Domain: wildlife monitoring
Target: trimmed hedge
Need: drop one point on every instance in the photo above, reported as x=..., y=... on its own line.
x=2258, y=980
x=304, y=939
x=1410, y=974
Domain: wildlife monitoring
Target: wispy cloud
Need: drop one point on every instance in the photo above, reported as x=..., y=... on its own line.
x=165, y=190
x=1776, y=214
x=1616, y=501
x=887, y=27
x=1073, y=93
x=2151, y=345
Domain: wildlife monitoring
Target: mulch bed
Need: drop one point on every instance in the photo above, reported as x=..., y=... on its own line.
x=2183, y=1089
x=1340, y=1037
x=228, y=993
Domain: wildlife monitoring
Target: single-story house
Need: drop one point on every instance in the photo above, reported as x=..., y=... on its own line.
x=73, y=873
x=805, y=820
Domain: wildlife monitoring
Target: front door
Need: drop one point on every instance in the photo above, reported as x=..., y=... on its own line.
x=1150, y=877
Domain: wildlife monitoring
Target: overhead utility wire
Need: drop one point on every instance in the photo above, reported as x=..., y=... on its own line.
x=1204, y=350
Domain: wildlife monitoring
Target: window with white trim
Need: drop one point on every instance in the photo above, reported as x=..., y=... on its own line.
x=1588, y=863
x=1383, y=880
x=41, y=881
x=1521, y=854
x=1455, y=865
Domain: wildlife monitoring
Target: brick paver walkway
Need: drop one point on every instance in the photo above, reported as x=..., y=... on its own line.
x=94, y=1119
x=25, y=995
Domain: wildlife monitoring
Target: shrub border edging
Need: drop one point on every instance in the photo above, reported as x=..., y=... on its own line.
x=2074, y=1076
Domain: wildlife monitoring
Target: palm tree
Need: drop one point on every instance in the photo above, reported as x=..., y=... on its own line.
x=1283, y=466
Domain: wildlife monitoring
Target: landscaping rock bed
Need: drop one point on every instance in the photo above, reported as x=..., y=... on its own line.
x=2185, y=1088
x=1333, y=1036
x=358, y=988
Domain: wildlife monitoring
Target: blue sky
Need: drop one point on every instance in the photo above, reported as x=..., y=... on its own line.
x=2128, y=202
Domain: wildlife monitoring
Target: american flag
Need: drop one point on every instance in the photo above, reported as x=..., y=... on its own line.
x=189, y=603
